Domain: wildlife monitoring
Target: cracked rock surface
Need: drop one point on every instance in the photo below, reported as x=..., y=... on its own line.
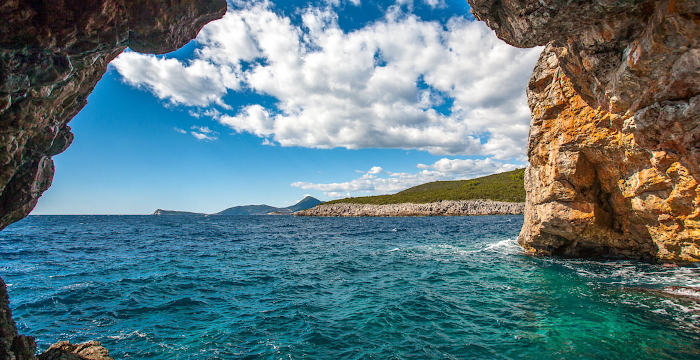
x=614, y=145
x=52, y=54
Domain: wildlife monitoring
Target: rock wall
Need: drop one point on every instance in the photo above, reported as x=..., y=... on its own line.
x=52, y=53
x=614, y=144
x=440, y=208
x=13, y=346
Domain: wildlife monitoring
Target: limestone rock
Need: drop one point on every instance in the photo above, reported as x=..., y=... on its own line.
x=63, y=350
x=614, y=145
x=52, y=53
x=439, y=208
x=12, y=345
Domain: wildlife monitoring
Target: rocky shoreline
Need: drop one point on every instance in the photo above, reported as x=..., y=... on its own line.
x=14, y=346
x=439, y=208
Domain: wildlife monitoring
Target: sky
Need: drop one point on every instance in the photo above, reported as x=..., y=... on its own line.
x=283, y=99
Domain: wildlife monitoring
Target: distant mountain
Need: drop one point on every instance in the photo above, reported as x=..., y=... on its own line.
x=248, y=210
x=305, y=203
x=172, y=212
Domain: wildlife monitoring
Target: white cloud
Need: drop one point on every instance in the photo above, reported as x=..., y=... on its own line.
x=202, y=133
x=396, y=83
x=435, y=3
x=337, y=3
x=375, y=170
x=202, y=129
x=198, y=83
x=371, y=183
x=253, y=119
x=203, y=136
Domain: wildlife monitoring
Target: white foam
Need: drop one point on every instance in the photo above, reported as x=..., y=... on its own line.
x=123, y=336
x=505, y=246
x=508, y=246
x=630, y=273
x=690, y=292
x=77, y=286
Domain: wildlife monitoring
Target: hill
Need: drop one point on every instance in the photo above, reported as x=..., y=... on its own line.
x=507, y=186
x=305, y=203
x=248, y=210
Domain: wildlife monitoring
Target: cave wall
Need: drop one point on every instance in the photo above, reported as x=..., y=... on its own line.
x=52, y=54
x=614, y=145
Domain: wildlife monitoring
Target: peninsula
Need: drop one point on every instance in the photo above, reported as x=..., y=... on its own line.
x=497, y=194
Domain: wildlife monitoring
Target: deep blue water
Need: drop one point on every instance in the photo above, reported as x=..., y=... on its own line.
x=279, y=287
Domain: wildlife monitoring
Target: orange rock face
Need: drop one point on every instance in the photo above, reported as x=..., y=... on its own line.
x=593, y=190
x=614, y=145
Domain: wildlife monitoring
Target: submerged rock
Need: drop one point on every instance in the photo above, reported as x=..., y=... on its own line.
x=440, y=208
x=614, y=146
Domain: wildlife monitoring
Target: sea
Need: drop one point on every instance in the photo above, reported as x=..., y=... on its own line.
x=285, y=287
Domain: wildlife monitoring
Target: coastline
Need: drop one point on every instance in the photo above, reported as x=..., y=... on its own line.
x=438, y=208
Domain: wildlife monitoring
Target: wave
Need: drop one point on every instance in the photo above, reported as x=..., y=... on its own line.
x=124, y=336
x=690, y=292
x=628, y=272
x=506, y=246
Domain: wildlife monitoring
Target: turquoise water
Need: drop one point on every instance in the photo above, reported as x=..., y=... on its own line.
x=280, y=287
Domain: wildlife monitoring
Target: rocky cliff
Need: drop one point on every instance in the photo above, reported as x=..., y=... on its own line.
x=614, y=146
x=52, y=53
x=439, y=208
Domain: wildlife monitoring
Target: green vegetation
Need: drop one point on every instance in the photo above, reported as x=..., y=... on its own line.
x=507, y=186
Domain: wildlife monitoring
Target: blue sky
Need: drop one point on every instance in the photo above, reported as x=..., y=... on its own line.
x=282, y=99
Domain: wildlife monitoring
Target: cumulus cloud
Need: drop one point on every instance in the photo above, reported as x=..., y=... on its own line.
x=379, y=181
x=197, y=83
x=399, y=82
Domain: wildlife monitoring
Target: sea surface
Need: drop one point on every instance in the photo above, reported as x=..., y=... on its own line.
x=282, y=287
